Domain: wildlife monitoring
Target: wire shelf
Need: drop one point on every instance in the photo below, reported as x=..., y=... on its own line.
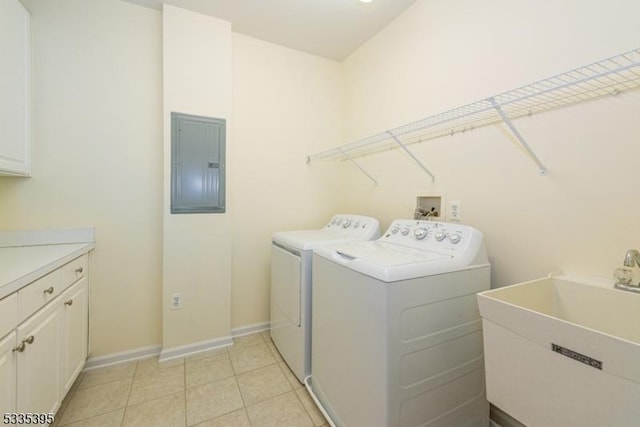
x=610, y=76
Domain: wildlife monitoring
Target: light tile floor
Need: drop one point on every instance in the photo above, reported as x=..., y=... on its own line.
x=245, y=385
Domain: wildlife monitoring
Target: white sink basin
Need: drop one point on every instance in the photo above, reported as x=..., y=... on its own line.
x=563, y=351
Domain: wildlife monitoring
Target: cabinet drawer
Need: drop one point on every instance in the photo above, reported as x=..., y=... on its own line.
x=8, y=314
x=45, y=289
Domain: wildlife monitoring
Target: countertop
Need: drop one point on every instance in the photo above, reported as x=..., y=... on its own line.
x=27, y=256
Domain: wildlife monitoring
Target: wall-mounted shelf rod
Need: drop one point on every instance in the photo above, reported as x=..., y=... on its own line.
x=518, y=135
x=353, y=162
x=415, y=159
x=610, y=76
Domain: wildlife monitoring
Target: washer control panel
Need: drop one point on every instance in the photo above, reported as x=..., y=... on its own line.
x=354, y=225
x=428, y=235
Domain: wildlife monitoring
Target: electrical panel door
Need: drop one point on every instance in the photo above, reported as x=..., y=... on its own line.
x=197, y=164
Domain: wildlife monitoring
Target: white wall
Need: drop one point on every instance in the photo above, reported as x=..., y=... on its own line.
x=440, y=55
x=98, y=127
x=286, y=104
x=196, y=247
x=97, y=156
x=99, y=145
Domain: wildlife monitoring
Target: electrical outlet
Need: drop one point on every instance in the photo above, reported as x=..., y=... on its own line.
x=176, y=301
x=455, y=212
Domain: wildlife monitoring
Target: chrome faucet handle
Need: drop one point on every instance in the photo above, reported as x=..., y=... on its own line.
x=632, y=257
x=623, y=275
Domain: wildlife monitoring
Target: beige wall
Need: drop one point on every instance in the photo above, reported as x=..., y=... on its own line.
x=98, y=148
x=286, y=105
x=98, y=161
x=97, y=156
x=197, y=247
x=439, y=55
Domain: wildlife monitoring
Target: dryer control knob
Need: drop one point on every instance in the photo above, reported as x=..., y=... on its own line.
x=455, y=238
x=405, y=231
x=346, y=223
x=356, y=224
x=440, y=235
x=420, y=233
x=395, y=229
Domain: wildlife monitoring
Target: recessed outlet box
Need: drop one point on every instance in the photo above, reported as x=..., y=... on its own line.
x=176, y=301
x=429, y=208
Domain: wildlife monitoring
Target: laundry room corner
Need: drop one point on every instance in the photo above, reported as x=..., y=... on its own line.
x=286, y=103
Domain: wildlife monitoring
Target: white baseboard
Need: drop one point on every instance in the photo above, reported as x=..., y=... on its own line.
x=250, y=329
x=122, y=357
x=195, y=348
x=174, y=352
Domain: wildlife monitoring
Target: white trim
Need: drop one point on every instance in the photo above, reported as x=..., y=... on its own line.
x=125, y=356
x=175, y=352
x=250, y=329
x=195, y=348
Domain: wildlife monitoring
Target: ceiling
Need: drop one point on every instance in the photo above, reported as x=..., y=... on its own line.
x=329, y=28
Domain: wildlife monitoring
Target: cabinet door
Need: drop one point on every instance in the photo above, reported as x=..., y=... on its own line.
x=39, y=376
x=76, y=321
x=15, y=80
x=8, y=374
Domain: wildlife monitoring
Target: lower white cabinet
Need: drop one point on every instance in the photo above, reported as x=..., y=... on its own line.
x=38, y=361
x=7, y=374
x=76, y=331
x=41, y=358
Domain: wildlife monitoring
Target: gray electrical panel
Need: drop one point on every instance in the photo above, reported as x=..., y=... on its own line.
x=197, y=164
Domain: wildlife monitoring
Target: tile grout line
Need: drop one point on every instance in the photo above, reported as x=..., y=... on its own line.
x=306, y=411
x=126, y=404
x=235, y=377
x=244, y=404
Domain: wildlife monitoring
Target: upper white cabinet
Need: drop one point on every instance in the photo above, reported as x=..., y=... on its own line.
x=15, y=89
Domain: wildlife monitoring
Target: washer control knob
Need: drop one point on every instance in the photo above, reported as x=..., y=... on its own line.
x=356, y=224
x=455, y=238
x=440, y=235
x=405, y=231
x=420, y=233
x=346, y=223
x=395, y=229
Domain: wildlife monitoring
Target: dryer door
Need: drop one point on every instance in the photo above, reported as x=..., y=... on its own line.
x=286, y=279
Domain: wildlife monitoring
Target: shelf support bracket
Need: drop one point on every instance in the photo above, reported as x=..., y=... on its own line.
x=518, y=135
x=415, y=159
x=346, y=156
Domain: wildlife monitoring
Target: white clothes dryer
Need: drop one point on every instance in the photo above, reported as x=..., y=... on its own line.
x=291, y=267
x=397, y=336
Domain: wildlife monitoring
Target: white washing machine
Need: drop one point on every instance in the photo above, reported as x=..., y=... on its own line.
x=291, y=262
x=397, y=336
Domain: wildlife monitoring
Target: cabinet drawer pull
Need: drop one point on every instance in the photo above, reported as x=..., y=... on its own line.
x=49, y=290
x=79, y=270
x=68, y=302
x=19, y=348
x=29, y=340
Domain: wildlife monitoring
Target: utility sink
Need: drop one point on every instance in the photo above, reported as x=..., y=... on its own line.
x=563, y=351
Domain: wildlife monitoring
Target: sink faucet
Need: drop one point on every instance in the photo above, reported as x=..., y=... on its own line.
x=632, y=257
x=625, y=275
